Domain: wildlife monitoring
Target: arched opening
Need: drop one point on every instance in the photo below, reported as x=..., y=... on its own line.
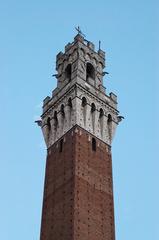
x=49, y=123
x=109, y=123
x=68, y=72
x=62, y=111
x=101, y=113
x=93, y=107
x=70, y=102
x=93, y=144
x=55, y=120
x=84, y=109
x=109, y=119
x=62, y=119
x=90, y=71
x=84, y=102
x=69, y=111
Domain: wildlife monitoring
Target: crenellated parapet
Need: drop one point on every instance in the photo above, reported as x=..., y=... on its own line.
x=80, y=107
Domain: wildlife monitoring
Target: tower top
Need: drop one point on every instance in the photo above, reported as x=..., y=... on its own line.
x=80, y=97
x=80, y=60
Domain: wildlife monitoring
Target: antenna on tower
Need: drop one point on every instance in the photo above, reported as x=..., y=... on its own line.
x=79, y=31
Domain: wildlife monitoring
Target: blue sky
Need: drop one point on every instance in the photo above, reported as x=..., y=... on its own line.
x=32, y=33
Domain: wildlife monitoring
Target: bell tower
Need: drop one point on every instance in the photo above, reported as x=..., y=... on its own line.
x=78, y=125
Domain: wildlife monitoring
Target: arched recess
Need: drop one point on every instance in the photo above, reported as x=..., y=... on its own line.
x=101, y=120
x=84, y=109
x=84, y=102
x=55, y=121
x=62, y=116
x=90, y=72
x=93, y=111
x=109, y=124
x=68, y=72
x=69, y=110
x=93, y=107
x=62, y=111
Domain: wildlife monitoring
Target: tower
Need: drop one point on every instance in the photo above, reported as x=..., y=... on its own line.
x=78, y=124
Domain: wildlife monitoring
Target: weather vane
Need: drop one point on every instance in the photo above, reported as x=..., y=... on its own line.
x=79, y=31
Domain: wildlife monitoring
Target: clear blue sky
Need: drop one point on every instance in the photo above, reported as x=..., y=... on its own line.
x=32, y=33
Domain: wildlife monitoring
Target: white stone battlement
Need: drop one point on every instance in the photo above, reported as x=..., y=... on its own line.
x=79, y=107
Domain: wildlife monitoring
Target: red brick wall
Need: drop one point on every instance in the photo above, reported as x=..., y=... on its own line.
x=78, y=198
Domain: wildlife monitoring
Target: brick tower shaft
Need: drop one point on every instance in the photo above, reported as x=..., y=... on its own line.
x=78, y=197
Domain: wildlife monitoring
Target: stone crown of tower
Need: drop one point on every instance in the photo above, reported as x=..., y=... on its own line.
x=80, y=97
